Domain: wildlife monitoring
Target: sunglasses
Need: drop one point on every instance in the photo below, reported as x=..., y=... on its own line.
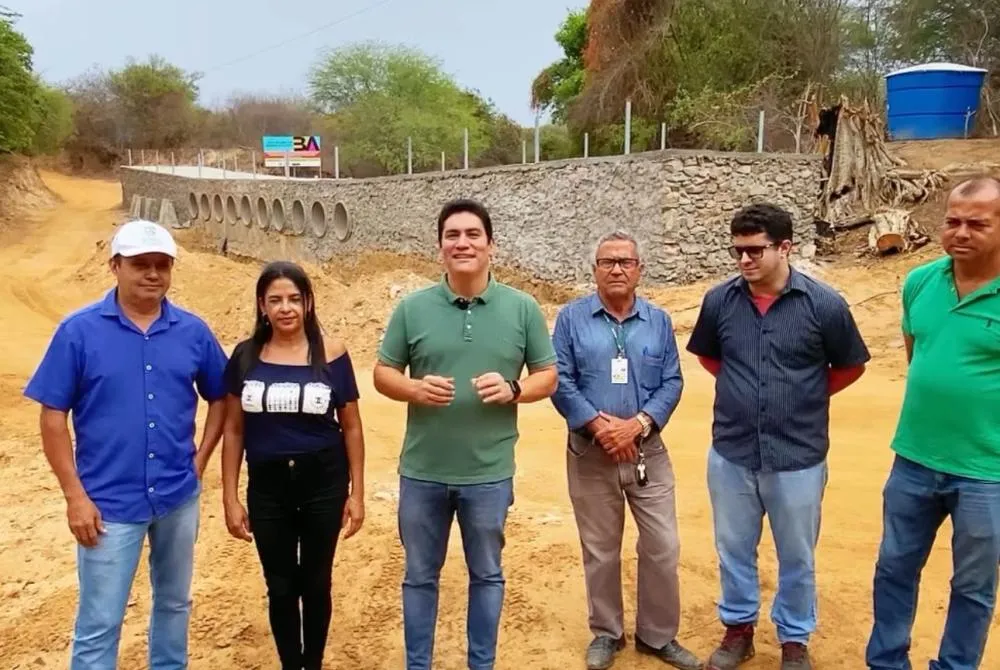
x=753, y=251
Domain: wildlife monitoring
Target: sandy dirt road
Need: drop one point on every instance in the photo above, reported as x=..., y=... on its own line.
x=53, y=263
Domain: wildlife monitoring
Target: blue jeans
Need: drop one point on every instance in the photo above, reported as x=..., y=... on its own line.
x=106, y=572
x=426, y=510
x=792, y=501
x=915, y=501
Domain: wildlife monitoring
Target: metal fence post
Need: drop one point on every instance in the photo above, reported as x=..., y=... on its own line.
x=628, y=126
x=537, y=140
x=760, y=132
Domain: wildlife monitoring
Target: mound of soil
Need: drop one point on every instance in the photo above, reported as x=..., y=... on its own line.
x=22, y=191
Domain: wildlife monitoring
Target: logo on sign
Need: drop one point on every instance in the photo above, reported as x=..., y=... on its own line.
x=310, y=143
x=291, y=143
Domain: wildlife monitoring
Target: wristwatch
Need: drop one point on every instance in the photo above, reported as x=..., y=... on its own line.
x=647, y=425
x=515, y=388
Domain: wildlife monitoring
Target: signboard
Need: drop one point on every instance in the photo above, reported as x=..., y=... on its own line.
x=302, y=150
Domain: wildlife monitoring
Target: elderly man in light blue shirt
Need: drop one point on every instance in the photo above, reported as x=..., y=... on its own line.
x=619, y=382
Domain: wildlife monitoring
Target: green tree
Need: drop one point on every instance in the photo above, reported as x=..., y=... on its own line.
x=380, y=95
x=18, y=111
x=558, y=85
x=54, y=120
x=155, y=102
x=503, y=136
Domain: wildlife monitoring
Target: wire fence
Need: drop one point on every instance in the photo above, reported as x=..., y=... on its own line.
x=243, y=162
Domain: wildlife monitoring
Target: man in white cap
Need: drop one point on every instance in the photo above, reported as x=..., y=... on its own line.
x=130, y=368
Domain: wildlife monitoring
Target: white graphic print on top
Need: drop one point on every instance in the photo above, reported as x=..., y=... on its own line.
x=315, y=398
x=283, y=397
x=253, y=396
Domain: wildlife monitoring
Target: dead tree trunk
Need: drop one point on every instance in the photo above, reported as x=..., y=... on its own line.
x=892, y=231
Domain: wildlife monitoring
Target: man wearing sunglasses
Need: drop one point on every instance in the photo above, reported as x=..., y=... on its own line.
x=619, y=382
x=780, y=344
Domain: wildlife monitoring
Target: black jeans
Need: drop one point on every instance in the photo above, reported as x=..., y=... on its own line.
x=295, y=506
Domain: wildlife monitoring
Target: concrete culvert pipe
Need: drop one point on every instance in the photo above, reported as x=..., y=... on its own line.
x=193, y=206
x=231, y=212
x=277, y=215
x=263, y=216
x=317, y=219
x=246, y=210
x=341, y=222
x=217, y=210
x=298, y=217
x=205, y=208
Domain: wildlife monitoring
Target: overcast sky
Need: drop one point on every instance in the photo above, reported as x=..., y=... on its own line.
x=495, y=46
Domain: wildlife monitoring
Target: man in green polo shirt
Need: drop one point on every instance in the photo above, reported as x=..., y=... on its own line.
x=466, y=341
x=947, y=441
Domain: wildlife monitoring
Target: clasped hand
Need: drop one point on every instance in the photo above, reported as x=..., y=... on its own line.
x=433, y=390
x=616, y=436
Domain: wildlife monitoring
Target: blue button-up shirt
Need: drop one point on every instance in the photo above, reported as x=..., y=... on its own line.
x=772, y=400
x=133, y=403
x=585, y=346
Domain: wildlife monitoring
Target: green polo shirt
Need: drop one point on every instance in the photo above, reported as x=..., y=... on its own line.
x=950, y=419
x=503, y=330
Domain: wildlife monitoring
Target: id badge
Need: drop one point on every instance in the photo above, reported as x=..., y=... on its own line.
x=619, y=371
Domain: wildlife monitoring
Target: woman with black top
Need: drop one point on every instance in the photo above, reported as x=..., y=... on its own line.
x=293, y=411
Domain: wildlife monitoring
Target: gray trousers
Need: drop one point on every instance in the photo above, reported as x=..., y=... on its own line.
x=598, y=489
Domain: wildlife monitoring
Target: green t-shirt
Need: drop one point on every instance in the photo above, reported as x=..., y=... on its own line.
x=950, y=419
x=503, y=330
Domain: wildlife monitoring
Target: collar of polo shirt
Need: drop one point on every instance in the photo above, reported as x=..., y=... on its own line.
x=453, y=297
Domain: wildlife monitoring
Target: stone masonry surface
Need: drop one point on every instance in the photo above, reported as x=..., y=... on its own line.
x=546, y=216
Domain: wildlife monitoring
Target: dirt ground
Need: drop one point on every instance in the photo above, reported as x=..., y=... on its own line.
x=982, y=153
x=54, y=261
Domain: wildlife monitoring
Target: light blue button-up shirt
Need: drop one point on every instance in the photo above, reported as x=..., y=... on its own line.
x=585, y=344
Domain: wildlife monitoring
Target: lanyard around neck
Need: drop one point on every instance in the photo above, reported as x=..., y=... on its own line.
x=618, y=333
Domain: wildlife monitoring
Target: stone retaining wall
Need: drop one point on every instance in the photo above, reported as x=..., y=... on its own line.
x=546, y=216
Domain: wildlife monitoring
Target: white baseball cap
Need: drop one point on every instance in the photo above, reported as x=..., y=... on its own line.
x=143, y=237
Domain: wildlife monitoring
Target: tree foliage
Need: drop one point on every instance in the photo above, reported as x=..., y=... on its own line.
x=54, y=119
x=558, y=85
x=18, y=90
x=707, y=67
x=34, y=118
x=156, y=102
x=380, y=96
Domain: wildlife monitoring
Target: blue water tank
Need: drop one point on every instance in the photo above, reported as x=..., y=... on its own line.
x=932, y=101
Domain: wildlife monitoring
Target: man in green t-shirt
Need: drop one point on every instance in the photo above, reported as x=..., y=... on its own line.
x=947, y=441
x=466, y=341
